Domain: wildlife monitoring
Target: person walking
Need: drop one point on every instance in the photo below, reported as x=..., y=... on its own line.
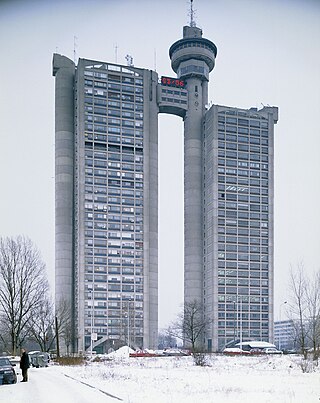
x=24, y=365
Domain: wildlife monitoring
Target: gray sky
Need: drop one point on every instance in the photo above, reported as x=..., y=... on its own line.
x=268, y=53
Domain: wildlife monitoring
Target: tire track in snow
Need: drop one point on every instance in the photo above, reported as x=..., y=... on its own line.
x=93, y=387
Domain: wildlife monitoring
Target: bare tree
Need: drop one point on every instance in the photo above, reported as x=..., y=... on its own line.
x=313, y=314
x=190, y=325
x=64, y=323
x=22, y=285
x=166, y=340
x=305, y=311
x=42, y=325
x=298, y=306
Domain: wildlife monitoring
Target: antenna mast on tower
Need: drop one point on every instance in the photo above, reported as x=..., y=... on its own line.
x=116, y=52
x=75, y=44
x=192, y=13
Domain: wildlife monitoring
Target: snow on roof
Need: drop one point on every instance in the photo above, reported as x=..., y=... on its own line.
x=256, y=344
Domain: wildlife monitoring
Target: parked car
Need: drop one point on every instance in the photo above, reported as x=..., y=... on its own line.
x=142, y=353
x=7, y=372
x=256, y=351
x=272, y=350
x=254, y=344
x=39, y=359
x=235, y=351
x=176, y=352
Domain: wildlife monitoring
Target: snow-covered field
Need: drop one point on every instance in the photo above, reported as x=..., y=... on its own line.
x=261, y=379
x=276, y=379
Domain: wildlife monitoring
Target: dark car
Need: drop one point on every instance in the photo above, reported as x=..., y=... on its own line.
x=7, y=372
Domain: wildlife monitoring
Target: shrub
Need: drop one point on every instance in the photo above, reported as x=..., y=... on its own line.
x=70, y=360
x=200, y=359
x=307, y=366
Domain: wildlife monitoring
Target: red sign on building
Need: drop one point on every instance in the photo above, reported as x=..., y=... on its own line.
x=172, y=82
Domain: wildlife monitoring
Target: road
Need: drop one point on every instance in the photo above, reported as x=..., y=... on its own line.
x=50, y=385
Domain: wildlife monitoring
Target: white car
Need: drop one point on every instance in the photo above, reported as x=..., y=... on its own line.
x=271, y=350
x=234, y=351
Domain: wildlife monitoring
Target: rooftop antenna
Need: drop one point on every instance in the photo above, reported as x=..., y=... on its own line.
x=74, y=49
x=192, y=15
x=155, y=60
x=129, y=60
x=116, y=52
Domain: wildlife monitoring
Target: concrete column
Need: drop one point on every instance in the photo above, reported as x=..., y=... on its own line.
x=150, y=151
x=64, y=70
x=193, y=256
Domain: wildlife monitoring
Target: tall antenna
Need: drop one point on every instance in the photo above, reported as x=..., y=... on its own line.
x=74, y=49
x=192, y=13
x=116, y=52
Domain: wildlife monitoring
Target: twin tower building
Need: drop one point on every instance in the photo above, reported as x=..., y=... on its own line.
x=106, y=200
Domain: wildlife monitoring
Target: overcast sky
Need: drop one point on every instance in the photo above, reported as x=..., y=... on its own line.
x=268, y=53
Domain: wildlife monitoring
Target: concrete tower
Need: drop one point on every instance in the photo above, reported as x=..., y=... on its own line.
x=107, y=202
x=64, y=71
x=192, y=58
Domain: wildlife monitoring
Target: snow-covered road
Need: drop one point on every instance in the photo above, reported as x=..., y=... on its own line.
x=50, y=385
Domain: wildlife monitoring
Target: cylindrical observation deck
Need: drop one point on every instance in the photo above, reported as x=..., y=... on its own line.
x=193, y=55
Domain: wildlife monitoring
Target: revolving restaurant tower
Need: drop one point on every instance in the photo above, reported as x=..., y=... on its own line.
x=107, y=200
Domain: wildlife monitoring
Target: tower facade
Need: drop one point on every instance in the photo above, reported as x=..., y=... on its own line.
x=107, y=201
x=192, y=58
x=238, y=224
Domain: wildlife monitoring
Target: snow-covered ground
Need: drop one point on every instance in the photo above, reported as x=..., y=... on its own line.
x=227, y=379
x=241, y=379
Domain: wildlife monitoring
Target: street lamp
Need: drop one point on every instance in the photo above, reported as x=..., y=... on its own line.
x=237, y=307
x=129, y=323
x=234, y=321
x=241, y=323
x=91, y=330
x=93, y=335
